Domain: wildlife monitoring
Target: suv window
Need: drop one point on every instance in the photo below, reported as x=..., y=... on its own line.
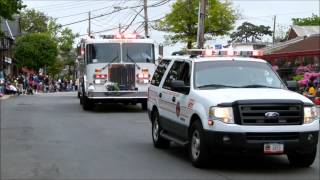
x=179, y=71
x=157, y=76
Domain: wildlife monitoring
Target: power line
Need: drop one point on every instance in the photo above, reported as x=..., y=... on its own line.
x=101, y=15
x=132, y=20
x=123, y=26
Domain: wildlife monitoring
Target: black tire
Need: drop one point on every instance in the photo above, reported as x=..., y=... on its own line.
x=79, y=96
x=158, y=141
x=144, y=105
x=87, y=104
x=198, y=150
x=302, y=159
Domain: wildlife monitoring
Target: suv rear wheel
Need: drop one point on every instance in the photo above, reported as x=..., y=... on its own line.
x=302, y=159
x=198, y=150
x=158, y=141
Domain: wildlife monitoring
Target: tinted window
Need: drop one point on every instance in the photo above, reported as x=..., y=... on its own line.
x=158, y=74
x=138, y=52
x=103, y=53
x=244, y=74
x=179, y=71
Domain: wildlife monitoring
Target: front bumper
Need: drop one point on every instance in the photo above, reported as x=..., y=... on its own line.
x=253, y=143
x=118, y=95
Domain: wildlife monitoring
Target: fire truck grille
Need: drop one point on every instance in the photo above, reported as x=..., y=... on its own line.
x=123, y=75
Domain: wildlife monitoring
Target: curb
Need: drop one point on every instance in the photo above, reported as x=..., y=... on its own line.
x=5, y=97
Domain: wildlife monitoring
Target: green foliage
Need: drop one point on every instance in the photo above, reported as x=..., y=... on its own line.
x=248, y=31
x=183, y=19
x=314, y=20
x=35, y=51
x=66, y=40
x=37, y=22
x=297, y=77
x=10, y=7
x=55, y=68
x=33, y=21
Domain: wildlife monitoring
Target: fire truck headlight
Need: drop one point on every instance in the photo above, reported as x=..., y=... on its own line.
x=97, y=81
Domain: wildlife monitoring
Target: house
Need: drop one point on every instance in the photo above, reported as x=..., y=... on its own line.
x=10, y=31
x=302, y=49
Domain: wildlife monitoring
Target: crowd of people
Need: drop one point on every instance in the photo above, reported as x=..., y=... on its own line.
x=34, y=83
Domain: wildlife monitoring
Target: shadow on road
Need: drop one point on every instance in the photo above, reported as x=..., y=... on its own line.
x=117, y=107
x=239, y=163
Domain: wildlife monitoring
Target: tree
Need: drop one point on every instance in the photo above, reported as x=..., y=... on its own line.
x=35, y=51
x=33, y=21
x=55, y=68
x=9, y=8
x=183, y=19
x=314, y=20
x=250, y=31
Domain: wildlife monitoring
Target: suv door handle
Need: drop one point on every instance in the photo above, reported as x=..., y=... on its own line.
x=160, y=95
x=173, y=99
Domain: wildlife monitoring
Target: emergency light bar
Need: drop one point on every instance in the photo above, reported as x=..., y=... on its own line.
x=223, y=52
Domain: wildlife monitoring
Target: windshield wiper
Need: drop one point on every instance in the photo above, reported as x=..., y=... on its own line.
x=217, y=86
x=133, y=61
x=115, y=58
x=256, y=86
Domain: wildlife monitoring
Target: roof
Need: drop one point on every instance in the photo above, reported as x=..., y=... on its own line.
x=12, y=28
x=92, y=41
x=306, y=30
x=299, y=46
x=215, y=58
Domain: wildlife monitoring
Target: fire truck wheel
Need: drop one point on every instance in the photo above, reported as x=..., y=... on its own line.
x=87, y=104
x=144, y=105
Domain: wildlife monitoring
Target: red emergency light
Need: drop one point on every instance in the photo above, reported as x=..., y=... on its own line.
x=257, y=53
x=101, y=76
x=126, y=36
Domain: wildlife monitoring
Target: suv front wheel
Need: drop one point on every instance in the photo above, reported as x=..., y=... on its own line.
x=302, y=159
x=198, y=150
x=158, y=141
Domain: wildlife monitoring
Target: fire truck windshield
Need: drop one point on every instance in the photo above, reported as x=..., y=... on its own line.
x=103, y=53
x=138, y=52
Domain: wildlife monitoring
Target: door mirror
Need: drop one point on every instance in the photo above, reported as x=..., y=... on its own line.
x=292, y=85
x=179, y=86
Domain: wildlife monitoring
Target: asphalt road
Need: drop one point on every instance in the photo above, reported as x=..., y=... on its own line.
x=51, y=137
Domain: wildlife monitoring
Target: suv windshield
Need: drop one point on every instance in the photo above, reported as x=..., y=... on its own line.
x=103, y=53
x=138, y=52
x=235, y=74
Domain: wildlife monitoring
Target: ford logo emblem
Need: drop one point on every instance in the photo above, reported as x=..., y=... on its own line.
x=271, y=115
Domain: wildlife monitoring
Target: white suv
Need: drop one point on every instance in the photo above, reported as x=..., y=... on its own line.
x=230, y=104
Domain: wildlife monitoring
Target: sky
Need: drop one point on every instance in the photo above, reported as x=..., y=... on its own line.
x=259, y=12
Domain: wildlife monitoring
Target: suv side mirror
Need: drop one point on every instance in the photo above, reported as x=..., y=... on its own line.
x=179, y=86
x=292, y=85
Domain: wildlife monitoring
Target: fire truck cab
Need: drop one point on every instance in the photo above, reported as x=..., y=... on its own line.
x=115, y=69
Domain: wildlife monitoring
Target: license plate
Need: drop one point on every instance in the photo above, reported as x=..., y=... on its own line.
x=273, y=148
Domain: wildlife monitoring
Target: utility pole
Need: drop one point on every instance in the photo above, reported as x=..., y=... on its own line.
x=274, y=28
x=89, y=28
x=201, y=17
x=146, y=29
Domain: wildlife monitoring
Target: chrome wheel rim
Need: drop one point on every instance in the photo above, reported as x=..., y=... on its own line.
x=195, y=145
x=155, y=130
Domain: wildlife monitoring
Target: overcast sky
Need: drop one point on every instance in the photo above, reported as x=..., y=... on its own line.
x=260, y=12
